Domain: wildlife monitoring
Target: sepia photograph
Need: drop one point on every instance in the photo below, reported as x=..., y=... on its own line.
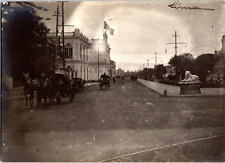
x=113, y=81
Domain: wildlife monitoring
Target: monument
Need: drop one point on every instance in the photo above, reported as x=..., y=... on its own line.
x=190, y=84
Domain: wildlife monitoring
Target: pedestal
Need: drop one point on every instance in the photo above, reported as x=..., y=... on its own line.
x=192, y=87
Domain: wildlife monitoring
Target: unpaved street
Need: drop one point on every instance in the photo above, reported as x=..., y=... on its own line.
x=127, y=122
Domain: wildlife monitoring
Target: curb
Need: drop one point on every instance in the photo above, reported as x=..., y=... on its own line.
x=191, y=95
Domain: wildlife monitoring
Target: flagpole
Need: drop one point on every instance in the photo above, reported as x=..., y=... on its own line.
x=103, y=25
x=98, y=60
x=100, y=42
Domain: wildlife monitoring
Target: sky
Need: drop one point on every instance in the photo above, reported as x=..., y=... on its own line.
x=142, y=29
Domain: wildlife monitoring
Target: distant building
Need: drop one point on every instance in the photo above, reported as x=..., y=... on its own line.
x=120, y=72
x=99, y=53
x=218, y=73
x=113, y=68
x=87, y=59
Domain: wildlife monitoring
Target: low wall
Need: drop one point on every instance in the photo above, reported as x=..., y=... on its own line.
x=7, y=82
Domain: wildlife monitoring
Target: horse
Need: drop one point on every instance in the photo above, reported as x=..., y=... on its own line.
x=45, y=90
x=29, y=89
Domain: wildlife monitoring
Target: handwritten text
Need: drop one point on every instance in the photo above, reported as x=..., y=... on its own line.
x=177, y=5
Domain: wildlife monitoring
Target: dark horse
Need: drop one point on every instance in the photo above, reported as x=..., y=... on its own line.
x=45, y=90
x=30, y=86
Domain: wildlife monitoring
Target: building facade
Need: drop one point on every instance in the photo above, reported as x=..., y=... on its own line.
x=218, y=73
x=113, y=68
x=76, y=54
x=99, y=57
x=86, y=59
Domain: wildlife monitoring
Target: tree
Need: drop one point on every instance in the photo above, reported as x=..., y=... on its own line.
x=25, y=43
x=159, y=70
x=204, y=64
x=182, y=63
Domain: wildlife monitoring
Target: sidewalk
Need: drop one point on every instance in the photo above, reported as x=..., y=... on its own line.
x=175, y=90
x=17, y=93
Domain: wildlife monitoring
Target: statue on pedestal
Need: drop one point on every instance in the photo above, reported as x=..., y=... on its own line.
x=190, y=77
x=190, y=84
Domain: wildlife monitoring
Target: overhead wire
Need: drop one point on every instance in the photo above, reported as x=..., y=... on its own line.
x=140, y=10
x=124, y=11
x=128, y=12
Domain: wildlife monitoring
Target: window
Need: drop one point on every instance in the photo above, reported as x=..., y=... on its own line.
x=84, y=49
x=81, y=71
x=87, y=54
x=68, y=51
x=81, y=47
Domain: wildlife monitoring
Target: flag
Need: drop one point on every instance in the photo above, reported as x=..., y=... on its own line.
x=108, y=28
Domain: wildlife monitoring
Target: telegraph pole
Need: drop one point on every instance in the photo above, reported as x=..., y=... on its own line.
x=56, y=36
x=98, y=62
x=155, y=58
x=58, y=42
x=175, y=43
x=148, y=62
x=110, y=69
x=63, y=35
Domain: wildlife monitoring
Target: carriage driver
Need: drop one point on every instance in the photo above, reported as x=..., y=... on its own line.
x=103, y=76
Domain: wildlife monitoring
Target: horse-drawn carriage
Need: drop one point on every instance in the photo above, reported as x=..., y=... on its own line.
x=48, y=88
x=78, y=84
x=62, y=87
x=104, y=82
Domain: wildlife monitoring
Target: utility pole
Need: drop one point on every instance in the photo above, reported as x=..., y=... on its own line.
x=56, y=35
x=98, y=61
x=110, y=68
x=57, y=31
x=63, y=35
x=155, y=58
x=148, y=62
x=175, y=43
x=58, y=42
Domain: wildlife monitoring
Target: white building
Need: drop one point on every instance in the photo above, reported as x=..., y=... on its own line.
x=88, y=59
x=219, y=68
x=99, y=57
x=76, y=54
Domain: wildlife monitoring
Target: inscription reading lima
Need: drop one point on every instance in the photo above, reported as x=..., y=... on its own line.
x=177, y=5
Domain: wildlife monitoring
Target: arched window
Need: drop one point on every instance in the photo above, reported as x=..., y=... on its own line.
x=68, y=51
